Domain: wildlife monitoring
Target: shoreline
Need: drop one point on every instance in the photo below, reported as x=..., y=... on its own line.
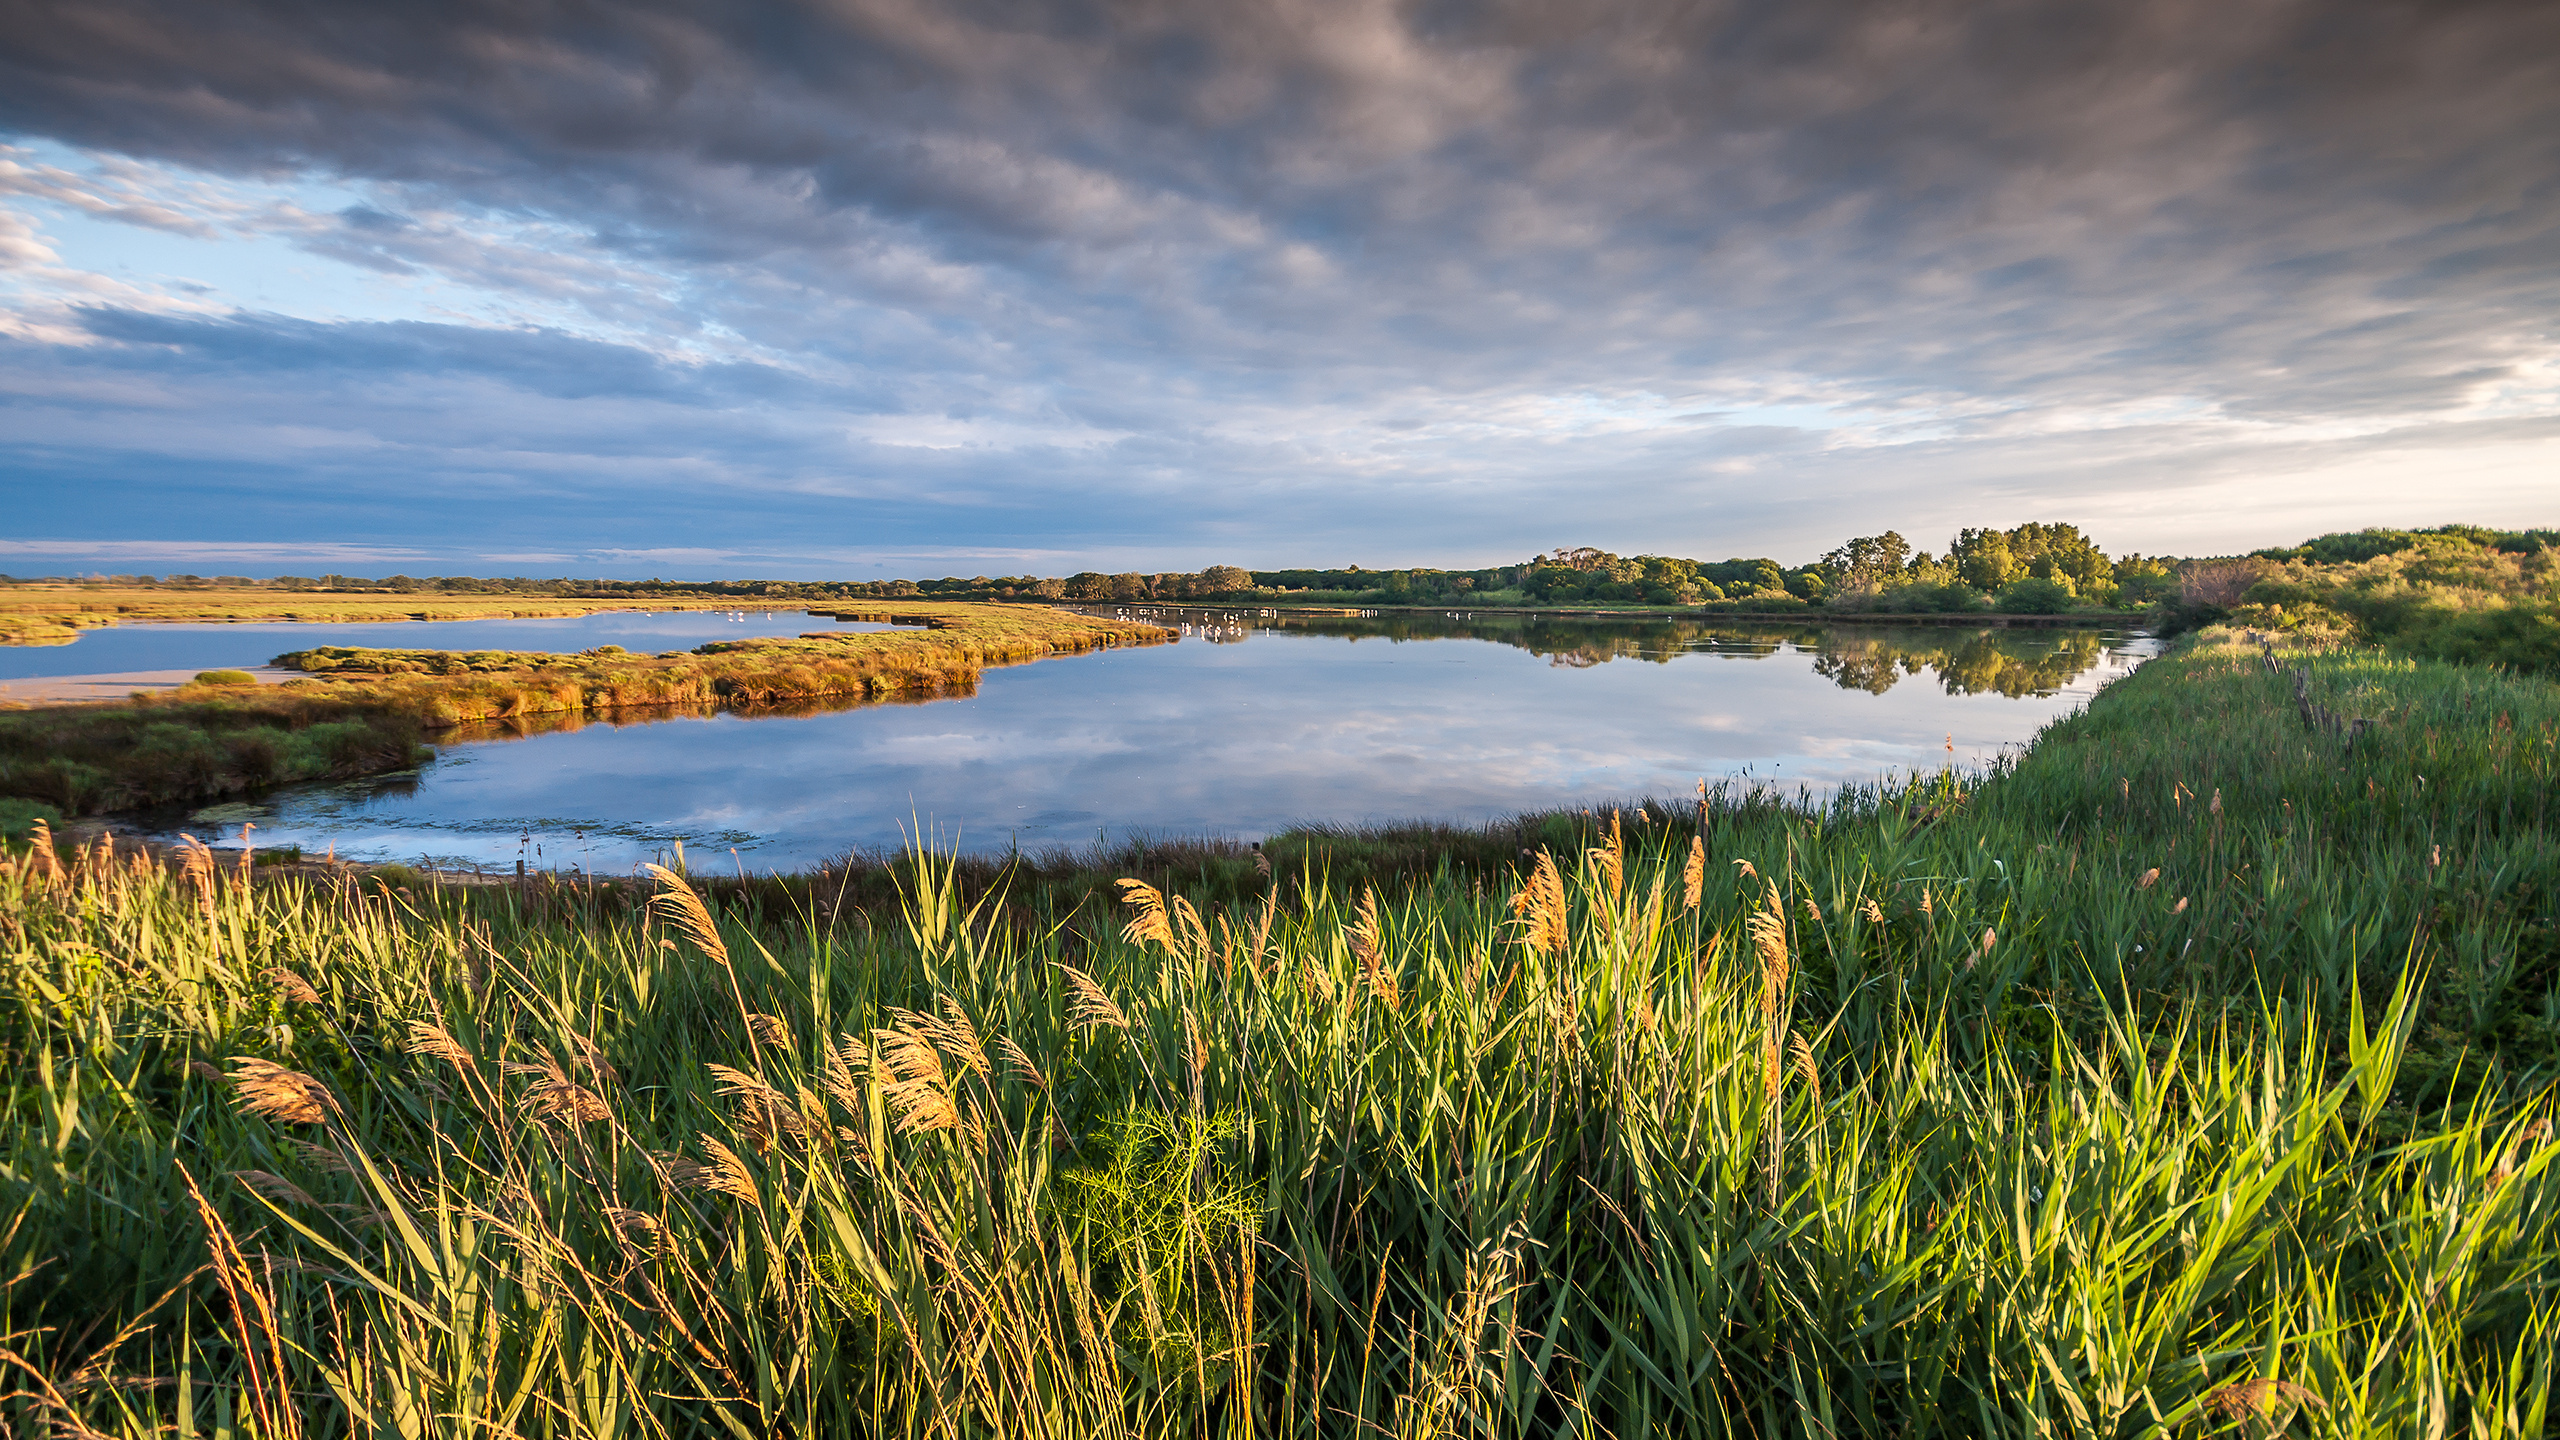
x=2088, y=620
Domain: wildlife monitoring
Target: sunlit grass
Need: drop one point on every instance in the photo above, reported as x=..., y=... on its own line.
x=2060, y=1099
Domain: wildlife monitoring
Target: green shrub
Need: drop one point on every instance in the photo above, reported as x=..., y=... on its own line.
x=225, y=677
x=2036, y=596
x=18, y=817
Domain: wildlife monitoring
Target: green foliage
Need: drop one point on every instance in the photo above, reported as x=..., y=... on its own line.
x=197, y=744
x=2454, y=593
x=2036, y=595
x=18, y=817
x=225, y=677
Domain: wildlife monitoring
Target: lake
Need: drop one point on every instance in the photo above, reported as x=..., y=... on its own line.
x=1245, y=727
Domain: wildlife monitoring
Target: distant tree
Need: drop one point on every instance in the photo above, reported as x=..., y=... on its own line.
x=1088, y=585
x=1224, y=580
x=1867, y=563
x=1129, y=585
x=1580, y=557
x=1982, y=559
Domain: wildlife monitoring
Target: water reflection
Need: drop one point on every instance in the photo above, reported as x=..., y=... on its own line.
x=1343, y=719
x=1966, y=661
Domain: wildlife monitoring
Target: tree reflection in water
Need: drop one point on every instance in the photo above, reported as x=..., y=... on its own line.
x=1983, y=660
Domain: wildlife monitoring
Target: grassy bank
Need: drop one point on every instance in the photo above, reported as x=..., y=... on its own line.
x=55, y=615
x=365, y=710
x=2192, y=1069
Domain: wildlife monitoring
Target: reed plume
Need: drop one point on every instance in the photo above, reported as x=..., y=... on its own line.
x=678, y=905
x=270, y=1091
x=554, y=1096
x=1020, y=1063
x=1363, y=934
x=434, y=1042
x=196, y=871
x=1693, y=876
x=1151, y=922
x=275, y=1187
x=293, y=987
x=1090, y=1007
x=1542, y=906
x=726, y=1174
x=913, y=1079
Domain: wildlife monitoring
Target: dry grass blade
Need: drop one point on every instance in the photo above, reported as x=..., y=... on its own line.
x=272, y=1092
x=1090, y=1006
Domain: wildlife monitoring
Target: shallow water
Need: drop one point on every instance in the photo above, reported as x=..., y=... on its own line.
x=1237, y=730
x=192, y=646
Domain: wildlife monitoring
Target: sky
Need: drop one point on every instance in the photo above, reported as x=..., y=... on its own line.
x=875, y=288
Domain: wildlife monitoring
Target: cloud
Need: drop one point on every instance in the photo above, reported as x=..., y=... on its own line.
x=1188, y=282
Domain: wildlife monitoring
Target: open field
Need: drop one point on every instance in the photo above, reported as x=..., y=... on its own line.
x=55, y=615
x=2193, y=1072
x=366, y=710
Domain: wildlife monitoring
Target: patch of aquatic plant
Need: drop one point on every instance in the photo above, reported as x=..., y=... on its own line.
x=198, y=742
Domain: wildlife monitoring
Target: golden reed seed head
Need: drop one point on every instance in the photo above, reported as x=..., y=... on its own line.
x=2149, y=878
x=1693, y=876
x=434, y=1042
x=679, y=906
x=293, y=987
x=272, y=1092
x=1151, y=922
x=1019, y=1063
x=1088, y=1006
x=727, y=1174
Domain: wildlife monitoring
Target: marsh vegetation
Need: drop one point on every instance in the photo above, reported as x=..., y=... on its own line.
x=2191, y=1072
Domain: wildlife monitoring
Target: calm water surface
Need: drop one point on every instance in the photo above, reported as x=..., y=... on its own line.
x=1236, y=731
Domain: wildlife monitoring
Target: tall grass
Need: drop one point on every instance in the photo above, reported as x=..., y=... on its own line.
x=1934, y=1111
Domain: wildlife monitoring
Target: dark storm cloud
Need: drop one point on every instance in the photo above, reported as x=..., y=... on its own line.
x=1292, y=255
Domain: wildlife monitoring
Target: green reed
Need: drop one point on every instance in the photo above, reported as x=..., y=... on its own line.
x=1936, y=1112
